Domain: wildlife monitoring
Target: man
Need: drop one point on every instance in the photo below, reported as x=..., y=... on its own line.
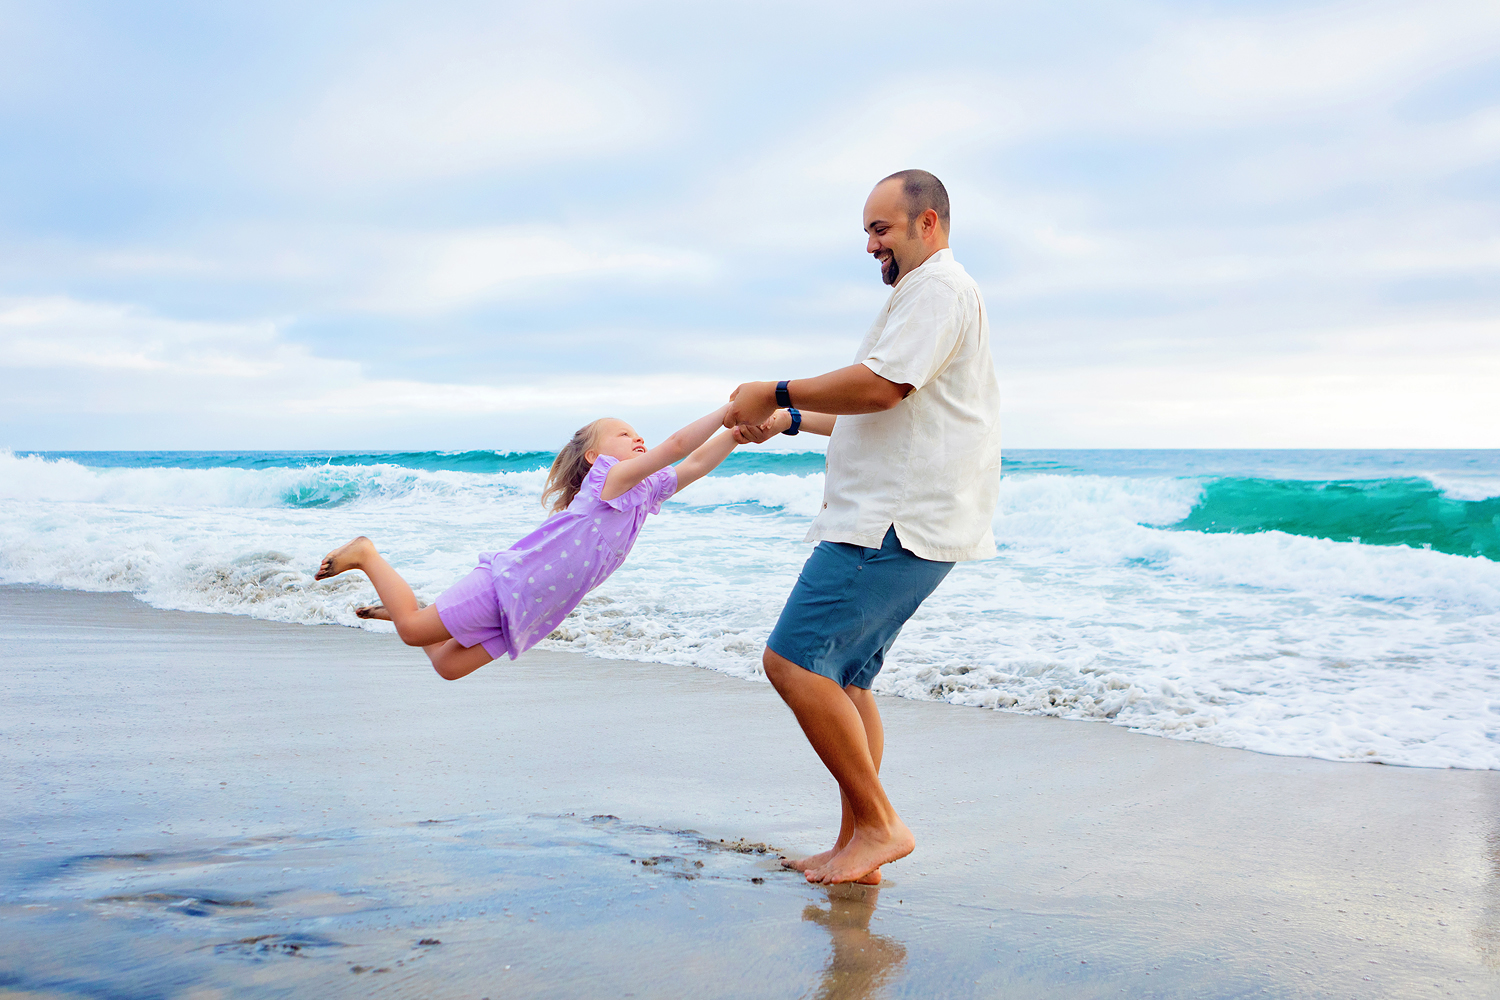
x=913, y=478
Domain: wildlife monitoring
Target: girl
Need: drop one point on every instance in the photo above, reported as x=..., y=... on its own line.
x=604, y=482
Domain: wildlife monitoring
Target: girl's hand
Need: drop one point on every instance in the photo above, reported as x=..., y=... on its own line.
x=762, y=432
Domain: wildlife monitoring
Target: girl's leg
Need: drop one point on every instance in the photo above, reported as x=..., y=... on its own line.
x=416, y=625
x=453, y=661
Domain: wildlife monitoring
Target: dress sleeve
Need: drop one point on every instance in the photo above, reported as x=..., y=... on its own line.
x=921, y=334
x=663, y=485
x=649, y=492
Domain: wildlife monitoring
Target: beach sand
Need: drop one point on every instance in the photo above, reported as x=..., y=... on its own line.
x=209, y=806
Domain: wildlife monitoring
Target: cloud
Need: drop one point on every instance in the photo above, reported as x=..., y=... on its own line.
x=441, y=271
x=59, y=334
x=669, y=197
x=1303, y=61
x=132, y=362
x=391, y=271
x=1326, y=402
x=430, y=101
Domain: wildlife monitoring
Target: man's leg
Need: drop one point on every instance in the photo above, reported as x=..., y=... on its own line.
x=864, y=702
x=835, y=727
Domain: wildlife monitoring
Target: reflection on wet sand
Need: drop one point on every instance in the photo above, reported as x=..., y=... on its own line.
x=862, y=963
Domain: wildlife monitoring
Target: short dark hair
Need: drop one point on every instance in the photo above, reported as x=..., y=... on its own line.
x=922, y=191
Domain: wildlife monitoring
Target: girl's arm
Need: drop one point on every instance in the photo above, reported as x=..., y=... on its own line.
x=781, y=420
x=705, y=459
x=812, y=423
x=623, y=476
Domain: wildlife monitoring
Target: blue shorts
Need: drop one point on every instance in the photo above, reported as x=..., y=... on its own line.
x=849, y=605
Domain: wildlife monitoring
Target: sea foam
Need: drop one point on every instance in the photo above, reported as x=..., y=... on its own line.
x=1101, y=605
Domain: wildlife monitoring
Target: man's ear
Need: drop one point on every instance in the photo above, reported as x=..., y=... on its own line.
x=930, y=223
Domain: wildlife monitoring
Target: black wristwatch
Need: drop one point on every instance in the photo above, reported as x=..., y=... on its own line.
x=796, y=427
x=783, y=398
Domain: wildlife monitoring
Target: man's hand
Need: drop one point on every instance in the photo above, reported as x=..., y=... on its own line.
x=751, y=404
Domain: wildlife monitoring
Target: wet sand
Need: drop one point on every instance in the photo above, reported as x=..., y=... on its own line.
x=200, y=806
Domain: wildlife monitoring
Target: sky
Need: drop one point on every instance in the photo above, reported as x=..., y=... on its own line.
x=447, y=225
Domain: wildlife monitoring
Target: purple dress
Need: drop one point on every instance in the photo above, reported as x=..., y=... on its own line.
x=515, y=598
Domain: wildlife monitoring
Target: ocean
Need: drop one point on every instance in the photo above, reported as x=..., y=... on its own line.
x=1334, y=604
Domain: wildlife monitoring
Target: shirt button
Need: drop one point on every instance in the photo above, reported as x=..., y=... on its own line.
x=825, y=506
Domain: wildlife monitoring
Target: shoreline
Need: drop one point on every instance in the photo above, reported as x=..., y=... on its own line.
x=1050, y=853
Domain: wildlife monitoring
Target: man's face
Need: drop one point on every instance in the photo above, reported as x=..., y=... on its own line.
x=894, y=241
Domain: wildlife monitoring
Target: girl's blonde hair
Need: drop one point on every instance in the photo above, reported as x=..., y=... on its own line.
x=570, y=467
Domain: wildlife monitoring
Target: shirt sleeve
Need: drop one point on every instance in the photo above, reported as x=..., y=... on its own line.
x=649, y=492
x=921, y=334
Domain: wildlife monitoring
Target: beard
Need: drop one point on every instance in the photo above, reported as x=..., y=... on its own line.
x=890, y=271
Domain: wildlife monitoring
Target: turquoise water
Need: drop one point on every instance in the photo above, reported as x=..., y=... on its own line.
x=1372, y=512
x=1370, y=497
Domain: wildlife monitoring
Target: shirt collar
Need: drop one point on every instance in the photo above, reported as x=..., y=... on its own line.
x=944, y=254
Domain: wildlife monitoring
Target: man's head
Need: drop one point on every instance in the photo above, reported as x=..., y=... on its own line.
x=906, y=218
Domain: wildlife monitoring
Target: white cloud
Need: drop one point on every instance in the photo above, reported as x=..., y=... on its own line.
x=1358, y=388
x=436, y=102
x=441, y=271
x=1171, y=188
x=399, y=272
x=59, y=333
x=155, y=364
x=1289, y=63
x=569, y=393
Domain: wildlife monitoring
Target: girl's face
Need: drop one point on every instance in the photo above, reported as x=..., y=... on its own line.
x=616, y=439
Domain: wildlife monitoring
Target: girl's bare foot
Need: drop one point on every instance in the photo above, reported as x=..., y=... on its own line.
x=865, y=853
x=378, y=611
x=819, y=860
x=344, y=558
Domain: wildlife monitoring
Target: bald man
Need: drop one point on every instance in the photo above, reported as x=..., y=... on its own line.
x=912, y=480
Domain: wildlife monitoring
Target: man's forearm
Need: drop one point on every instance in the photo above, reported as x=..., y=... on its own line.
x=855, y=389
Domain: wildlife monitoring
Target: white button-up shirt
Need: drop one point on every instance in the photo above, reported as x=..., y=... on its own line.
x=930, y=465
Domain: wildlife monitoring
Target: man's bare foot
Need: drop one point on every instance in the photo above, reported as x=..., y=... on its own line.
x=864, y=854
x=806, y=864
x=344, y=558
x=821, y=859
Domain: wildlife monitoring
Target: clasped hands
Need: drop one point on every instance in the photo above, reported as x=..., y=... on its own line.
x=753, y=414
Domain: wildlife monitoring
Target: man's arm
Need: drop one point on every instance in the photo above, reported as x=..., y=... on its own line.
x=855, y=389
